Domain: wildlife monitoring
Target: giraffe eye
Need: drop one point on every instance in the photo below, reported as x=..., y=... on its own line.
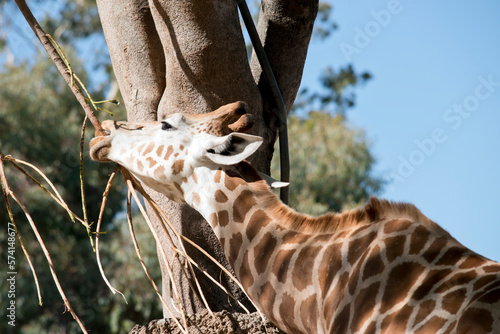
x=166, y=126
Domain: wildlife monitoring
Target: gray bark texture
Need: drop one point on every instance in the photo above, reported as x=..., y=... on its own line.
x=190, y=56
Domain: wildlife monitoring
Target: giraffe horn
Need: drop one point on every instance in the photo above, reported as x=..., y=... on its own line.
x=243, y=124
x=232, y=117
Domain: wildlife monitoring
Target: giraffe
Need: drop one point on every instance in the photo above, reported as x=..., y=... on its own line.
x=383, y=268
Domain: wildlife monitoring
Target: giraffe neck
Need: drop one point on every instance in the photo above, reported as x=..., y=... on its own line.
x=233, y=206
x=248, y=220
x=313, y=275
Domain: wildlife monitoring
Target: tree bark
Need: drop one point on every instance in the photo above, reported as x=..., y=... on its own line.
x=136, y=55
x=190, y=56
x=285, y=28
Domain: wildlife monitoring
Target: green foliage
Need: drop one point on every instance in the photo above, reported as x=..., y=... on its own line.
x=338, y=92
x=40, y=122
x=324, y=24
x=331, y=164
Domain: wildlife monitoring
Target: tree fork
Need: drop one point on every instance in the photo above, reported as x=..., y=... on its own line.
x=204, y=65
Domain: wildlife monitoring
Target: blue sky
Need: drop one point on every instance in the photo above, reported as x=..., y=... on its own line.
x=432, y=109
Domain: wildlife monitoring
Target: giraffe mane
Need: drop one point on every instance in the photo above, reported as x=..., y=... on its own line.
x=374, y=210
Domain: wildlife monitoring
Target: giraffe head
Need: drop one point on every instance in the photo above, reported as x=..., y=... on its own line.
x=164, y=154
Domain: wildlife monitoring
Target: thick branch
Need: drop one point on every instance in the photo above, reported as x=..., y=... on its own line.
x=136, y=54
x=285, y=28
x=61, y=66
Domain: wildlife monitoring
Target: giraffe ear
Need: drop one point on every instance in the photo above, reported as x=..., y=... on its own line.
x=233, y=148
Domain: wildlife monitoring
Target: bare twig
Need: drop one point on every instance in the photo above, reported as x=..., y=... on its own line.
x=7, y=192
x=129, y=181
x=163, y=218
x=56, y=196
x=138, y=252
x=49, y=260
x=82, y=184
x=65, y=71
x=98, y=233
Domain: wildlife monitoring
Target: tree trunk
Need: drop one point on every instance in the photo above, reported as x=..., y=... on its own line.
x=190, y=56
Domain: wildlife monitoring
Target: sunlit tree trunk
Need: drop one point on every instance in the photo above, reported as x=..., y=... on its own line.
x=190, y=56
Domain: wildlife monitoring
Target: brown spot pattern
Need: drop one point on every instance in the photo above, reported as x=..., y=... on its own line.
x=394, y=247
x=263, y=252
x=364, y=305
x=223, y=217
x=424, y=310
x=396, y=225
x=492, y=269
x=266, y=297
x=433, y=325
x=281, y=264
x=483, y=281
x=492, y=296
x=330, y=264
x=303, y=270
x=430, y=281
x=245, y=275
x=177, y=166
x=374, y=264
x=451, y=256
x=309, y=314
x=400, y=280
x=287, y=310
x=140, y=147
x=233, y=180
x=243, y=203
x=341, y=322
x=435, y=249
x=475, y=320
x=418, y=239
x=151, y=162
x=170, y=150
x=159, y=173
x=140, y=166
x=220, y=196
x=258, y=220
x=453, y=300
x=359, y=246
x=218, y=175
x=292, y=237
x=149, y=149
x=396, y=322
x=213, y=219
x=234, y=247
x=159, y=150
x=196, y=200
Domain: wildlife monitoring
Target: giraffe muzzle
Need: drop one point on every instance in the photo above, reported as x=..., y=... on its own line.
x=100, y=146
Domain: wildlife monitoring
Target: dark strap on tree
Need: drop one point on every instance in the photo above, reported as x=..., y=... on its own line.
x=278, y=98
